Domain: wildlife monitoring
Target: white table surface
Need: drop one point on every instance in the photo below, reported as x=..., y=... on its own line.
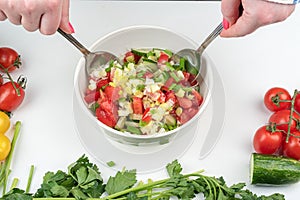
x=248, y=67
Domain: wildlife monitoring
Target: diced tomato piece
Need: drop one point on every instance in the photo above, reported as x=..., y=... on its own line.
x=162, y=97
x=198, y=98
x=105, y=118
x=101, y=83
x=92, y=96
x=164, y=89
x=184, y=102
x=163, y=58
x=131, y=57
x=147, y=116
x=107, y=113
x=186, y=75
x=184, y=117
x=137, y=105
x=192, y=111
x=170, y=95
x=112, y=93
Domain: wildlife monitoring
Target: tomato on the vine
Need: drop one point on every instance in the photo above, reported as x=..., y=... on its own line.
x=5, y=146
x=281, y=119
x=9, y=59
x=291, y=148
x=277, y=99
x=297, y=103
x=266, y=141
x=12, y=94
x=4, y=122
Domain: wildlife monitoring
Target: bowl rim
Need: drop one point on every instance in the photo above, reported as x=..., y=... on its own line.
x=127, y=134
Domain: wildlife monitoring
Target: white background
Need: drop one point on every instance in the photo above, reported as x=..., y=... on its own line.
x=248, y=67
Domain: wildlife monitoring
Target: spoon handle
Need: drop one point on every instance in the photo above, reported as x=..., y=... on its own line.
x=75, y=42
x=210, y=38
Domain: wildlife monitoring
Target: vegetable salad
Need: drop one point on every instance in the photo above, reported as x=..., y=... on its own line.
x=148, y=93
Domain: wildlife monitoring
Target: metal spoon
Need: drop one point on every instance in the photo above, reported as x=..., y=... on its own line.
x=193, y=56
x=92, y=59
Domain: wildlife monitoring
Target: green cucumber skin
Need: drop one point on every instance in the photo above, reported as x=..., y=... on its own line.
x=274, y=170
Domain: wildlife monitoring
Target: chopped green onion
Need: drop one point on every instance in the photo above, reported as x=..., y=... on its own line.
x=175, y=77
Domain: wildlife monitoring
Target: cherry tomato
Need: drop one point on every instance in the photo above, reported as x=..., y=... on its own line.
x=277, y=99
x=4, y=122
x=297, y=103
x=9, y=59
x=291, y=148
x=5, y=146
x=281, y=119
x=9, y=97
x=266, y=141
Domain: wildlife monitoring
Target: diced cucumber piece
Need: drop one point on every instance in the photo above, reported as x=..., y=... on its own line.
x=140, y=52
x=134, y=130
x=273, y=170
x=149, y=61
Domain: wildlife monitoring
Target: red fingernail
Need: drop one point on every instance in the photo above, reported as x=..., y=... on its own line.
x=71, y=28
x=225, y=24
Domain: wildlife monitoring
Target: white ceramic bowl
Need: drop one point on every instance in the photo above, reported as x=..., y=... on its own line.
x=118, y=43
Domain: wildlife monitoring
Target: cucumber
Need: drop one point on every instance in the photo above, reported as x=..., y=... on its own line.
x=273, y=170
x=140, y=52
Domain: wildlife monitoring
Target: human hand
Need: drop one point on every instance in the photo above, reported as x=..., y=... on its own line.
x=45, y=15
x=256, y=13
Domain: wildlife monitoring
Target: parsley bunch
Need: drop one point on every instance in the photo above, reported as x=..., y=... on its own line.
x=83, y=181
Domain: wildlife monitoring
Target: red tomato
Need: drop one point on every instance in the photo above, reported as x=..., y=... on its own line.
x=187, y=114
x=198, y=99
x=281, y=119
x=170, y=95
x=162, y=97
x=277, y=99
x=267, y=142
x=184, y=102
x=291, y=148
x=192, y=112
x=9, y=97
x=112, y=93
x=163, y=58
x=137, y=105
x=147, y=116
x=92, y=96
x=297, y=103
x=9, y=59
x=101, y=83
x=131, y=57
x=107, y=112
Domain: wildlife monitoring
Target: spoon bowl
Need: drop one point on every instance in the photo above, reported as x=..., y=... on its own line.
x=193, y=56
x=92, y=59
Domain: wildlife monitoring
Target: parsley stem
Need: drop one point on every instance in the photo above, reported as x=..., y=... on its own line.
x=148, y=186
x=4, y=174
x=29, y=178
